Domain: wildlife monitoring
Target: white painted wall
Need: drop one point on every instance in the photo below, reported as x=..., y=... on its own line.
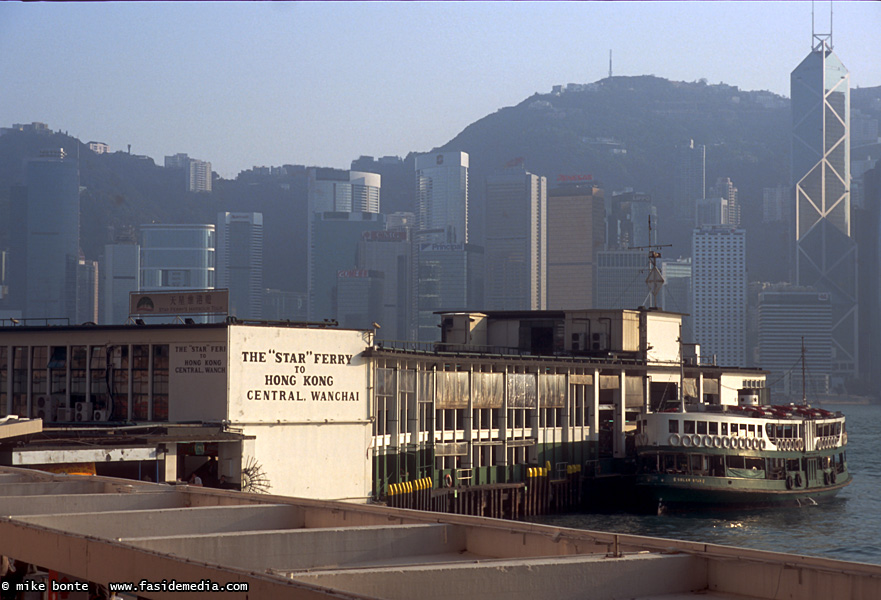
x=662, y=334
x=304, y=394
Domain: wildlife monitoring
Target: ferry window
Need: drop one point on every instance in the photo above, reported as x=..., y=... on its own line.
x=689, y=427
x=755, y=464
x=674, y=426
x=699, y=464
x=759, y=430
x=701, y=427
x=714, y=428
x=751, y=429
x=724, y=428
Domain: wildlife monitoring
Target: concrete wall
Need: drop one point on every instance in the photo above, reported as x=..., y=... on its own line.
x=329, y=461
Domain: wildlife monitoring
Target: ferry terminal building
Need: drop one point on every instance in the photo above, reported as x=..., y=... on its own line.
x=315, y=411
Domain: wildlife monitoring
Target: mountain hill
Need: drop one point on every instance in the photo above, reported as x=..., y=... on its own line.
x=623, y=131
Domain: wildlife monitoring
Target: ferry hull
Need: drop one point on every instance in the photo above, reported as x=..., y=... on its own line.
x=676, y=492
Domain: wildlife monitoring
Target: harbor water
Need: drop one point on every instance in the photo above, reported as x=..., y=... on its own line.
x=846, y=528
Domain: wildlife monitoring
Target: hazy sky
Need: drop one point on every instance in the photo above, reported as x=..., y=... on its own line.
x=269, y=83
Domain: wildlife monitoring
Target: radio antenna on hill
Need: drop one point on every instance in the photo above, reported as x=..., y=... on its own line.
x=610, y=63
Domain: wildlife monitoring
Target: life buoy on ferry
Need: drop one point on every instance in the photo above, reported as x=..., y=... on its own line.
x=763, y=445
x=799, y=445
x=707, y=441
x=789, y=482
x=826, y=478
x=726, y=442
x=448, y=480
x=695, y=440
x=717, y=441
x=686, y=441
x=674, y=439
x=798, y=480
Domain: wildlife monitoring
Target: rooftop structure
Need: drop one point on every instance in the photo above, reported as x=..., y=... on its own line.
x=103, y=530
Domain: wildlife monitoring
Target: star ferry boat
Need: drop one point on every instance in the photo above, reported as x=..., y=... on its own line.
x=748, y=454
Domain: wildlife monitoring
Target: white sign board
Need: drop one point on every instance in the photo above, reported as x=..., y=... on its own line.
x=297, y=375
x=197, y=381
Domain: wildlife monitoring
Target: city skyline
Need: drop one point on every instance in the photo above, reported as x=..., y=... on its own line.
x=161, y=78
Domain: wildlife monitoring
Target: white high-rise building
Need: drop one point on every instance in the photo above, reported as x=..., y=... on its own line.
x=198, y=176
x=724, y=188
x=177, y=257
x=516, y=240
x=335, y=190
x=442, y=196
x=197, y=172
x=719, y=294
x=240, y=262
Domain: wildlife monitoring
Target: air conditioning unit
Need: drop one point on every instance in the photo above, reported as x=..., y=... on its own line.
x=83, y=411
x=64, y=415
x=101, y=414
x=44, y=408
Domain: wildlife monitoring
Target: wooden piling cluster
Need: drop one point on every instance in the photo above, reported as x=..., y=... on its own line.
x=538, y=495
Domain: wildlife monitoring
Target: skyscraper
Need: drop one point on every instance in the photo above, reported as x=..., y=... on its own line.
x=87, y=275
x=711, y=211
x=442, y=196
x=120, y=274
x=724, y=188
x=620, y=279
x=240, y=262
x=334, y=247
x=825, y=249
x=719, y=293
x=177, y=257
x=197, y=173
x=53, y=236
x=516, y=240
x=390, y=253
x=576, y=233
x=628, y=217
x=449, y=270
x=335, y=190
x=788, y=317
x=342, y=206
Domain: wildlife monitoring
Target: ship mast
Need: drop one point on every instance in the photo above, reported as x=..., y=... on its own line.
x=654, y=280
x=804, y=397
x=681, y=372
